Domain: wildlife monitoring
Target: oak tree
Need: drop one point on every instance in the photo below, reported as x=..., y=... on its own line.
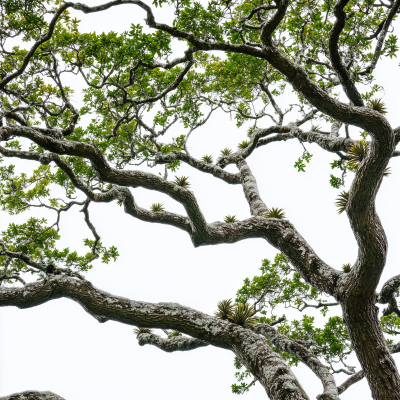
x=239, y=56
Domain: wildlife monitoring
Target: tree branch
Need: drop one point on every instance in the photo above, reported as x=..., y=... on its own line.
x=44, y=38
x=250, y=189
x=253, y=351
x=280, y=233
x=283, y=343
x=381, y=38
x=176, y=343
x=351, y=381
x=344, y=76
x=212, y=169
x=32, y=395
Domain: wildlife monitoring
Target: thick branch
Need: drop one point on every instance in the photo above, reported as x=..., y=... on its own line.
x=283, y=343
x=344, y=75
x=250, y=189
x=253, y=351
x=389, y=289
x=176, y=343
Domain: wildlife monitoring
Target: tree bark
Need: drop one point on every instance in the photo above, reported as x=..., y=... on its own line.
x=361, y=317
x=32, y=395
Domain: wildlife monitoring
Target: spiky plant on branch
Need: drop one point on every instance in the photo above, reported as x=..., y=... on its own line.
x=137, y=331
x=225, y=309
x=207, y=159
x=148, y=98
x=341, y=202
x=244, y=315
x=275, y=213
x=346, y=267
x=226, y=151
x=243, y=145
x=377, y=105
x=182, y=181
x=157, y=207
x=229, y=219
x=357, y=153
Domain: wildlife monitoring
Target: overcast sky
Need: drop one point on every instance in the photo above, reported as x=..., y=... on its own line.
x=59, y=347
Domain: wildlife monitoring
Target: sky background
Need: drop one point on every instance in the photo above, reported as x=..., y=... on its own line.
x=59, y=347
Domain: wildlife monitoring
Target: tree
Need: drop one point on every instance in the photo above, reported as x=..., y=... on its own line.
x=327, y=51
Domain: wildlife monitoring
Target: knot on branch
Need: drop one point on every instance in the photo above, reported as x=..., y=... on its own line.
x=46, y=158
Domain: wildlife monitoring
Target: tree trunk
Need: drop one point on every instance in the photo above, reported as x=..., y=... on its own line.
x=361, y=317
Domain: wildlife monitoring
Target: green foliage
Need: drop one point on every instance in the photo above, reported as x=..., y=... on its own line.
x=157, y=207
x=240, y=377
x=207, y=159
x=341, y=201
x=278, y=287
x=275, y=213
x=137, y=331
x=229, y=219
x=335, y=182
x=346, y=268
x=173, y=334
x=38, y=241
x=391, y=324
x=225, y=309
x=243, y=144
x=300, y=163
x=377, y=105
x=182, y=181
x=226, y=151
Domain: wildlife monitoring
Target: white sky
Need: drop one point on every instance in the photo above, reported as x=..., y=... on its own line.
x=59, y=347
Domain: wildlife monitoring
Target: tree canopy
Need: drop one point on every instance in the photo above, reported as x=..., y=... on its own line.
x=141, y=103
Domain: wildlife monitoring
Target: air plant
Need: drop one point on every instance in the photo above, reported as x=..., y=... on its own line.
x=377, y=105
x=173, y=334
x=315, y=128
x=157, y=207
x=341, y=201
x=243, y=144
x=244, y=315
x=230, y=218
x=346, y=268
x=275, y=213
x=225, y=309
x=207, y=159
x=357, y=153
x=182, y=181
x=140, y=330
x=226, y=151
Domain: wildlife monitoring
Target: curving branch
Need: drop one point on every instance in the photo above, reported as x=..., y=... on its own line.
x=344, y=75
x=253, y=351
x=283, y=343
x=280, y=233
x=213, y=169
x=351, y=381
x=382, y=31
x=43, y=38
x=176, y=343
